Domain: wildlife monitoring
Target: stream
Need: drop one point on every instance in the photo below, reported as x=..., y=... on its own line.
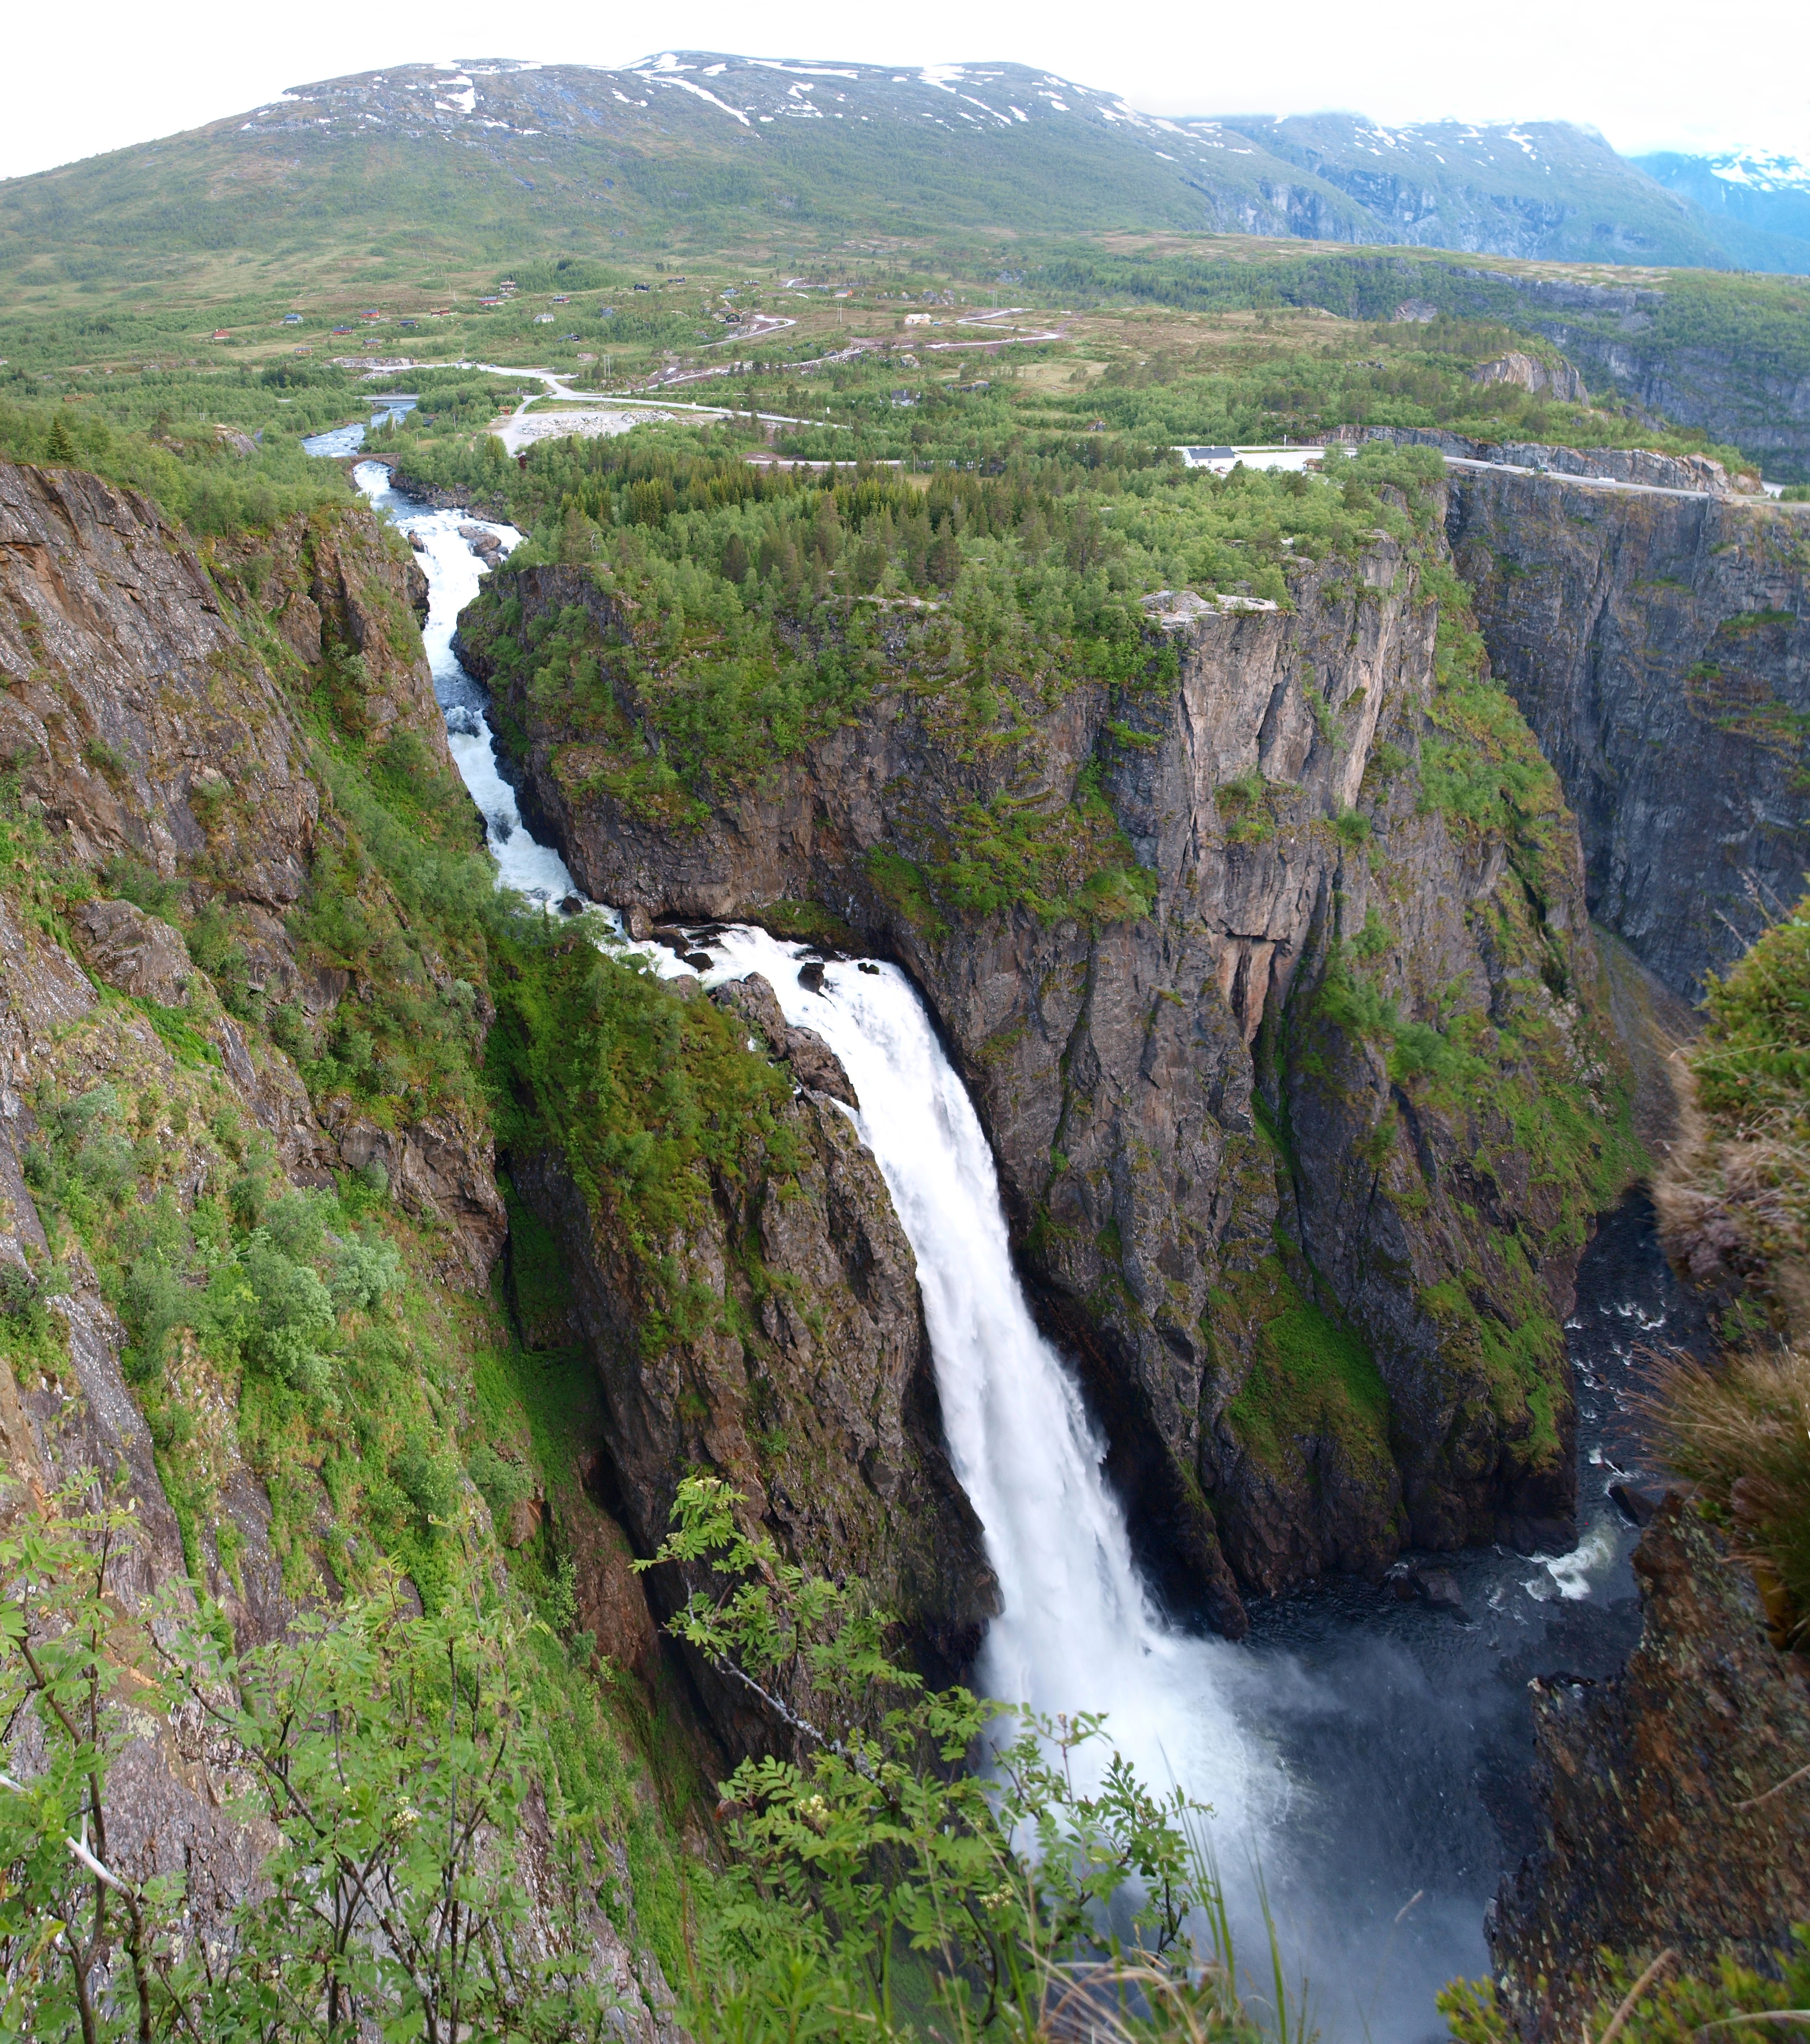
x=1365, y=1753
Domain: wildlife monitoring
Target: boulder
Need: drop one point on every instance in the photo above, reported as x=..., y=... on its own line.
x=815, y=1066
x=1638, y=1506
x=134, y=952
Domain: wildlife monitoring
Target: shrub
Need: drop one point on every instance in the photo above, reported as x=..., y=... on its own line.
x=1741, y=1431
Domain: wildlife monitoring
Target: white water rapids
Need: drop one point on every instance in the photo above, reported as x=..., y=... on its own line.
x=1348, y=1785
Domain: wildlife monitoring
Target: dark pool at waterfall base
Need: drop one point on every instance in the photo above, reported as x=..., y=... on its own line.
x=1369, y=1755
x=1409, y=1729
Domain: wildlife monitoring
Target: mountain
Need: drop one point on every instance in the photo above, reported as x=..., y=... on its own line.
x=690, y=143
x=693, y=148
x=1758, y=203
x=1545, y=189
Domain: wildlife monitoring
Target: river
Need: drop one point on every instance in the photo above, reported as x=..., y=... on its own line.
x=1366, y=1754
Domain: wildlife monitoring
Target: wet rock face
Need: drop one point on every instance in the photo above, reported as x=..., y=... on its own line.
x=815, y=1066
x=1653, y=1837
x=1659, y=648
x=1163, y=1096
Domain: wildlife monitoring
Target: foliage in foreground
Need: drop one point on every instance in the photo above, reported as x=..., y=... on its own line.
x=1741, y=1432
x=1735, y=1209
x=389, y=1763
x=425, y=1875
x=1652, y=2005
x=1735, y=1204
x=883, y=1886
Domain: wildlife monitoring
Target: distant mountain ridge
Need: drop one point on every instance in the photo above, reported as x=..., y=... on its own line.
x=710, y=144
x=1758, y=201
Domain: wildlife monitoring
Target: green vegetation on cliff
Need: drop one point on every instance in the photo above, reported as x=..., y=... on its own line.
x=1736, y=1204
x=1311, y=1377
x=650, y=1096
x=731, y=617
x=1735, y=1212
x=1651, y=2003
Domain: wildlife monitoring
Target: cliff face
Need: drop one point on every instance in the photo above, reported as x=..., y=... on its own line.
x=157, y=707
x=1660, y=1829
x=1659, y=648
x=1312, y=1283
x=150, y=711
x=797, y=1368
x=1683, y=359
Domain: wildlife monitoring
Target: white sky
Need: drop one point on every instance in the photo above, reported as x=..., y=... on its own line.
x=1651, y=74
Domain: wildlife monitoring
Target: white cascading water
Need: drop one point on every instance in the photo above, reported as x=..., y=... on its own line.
x=453, y=572
x=1343, y=1849
x=1076, y=1631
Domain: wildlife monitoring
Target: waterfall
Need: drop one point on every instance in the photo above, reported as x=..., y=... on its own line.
x=1352, y=1742
x=1076, y=1630
x=453, y=572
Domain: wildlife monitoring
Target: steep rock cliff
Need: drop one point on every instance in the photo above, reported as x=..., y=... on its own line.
x=71, y=1410
x=1660, y=1827
x=759, y=1317
x=1313, y=1280
x=156, y=711
x=1659, y=648
x=160, y=1144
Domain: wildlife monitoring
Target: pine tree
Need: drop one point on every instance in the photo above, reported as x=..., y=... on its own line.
x=61, y=447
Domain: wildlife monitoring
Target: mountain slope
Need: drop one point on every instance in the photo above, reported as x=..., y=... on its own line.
x=1545, y=189
x=1758, y=205
x=718, y=144
x=694, y=148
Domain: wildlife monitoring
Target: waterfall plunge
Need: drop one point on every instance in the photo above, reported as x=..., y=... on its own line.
x=1076, y=1631
x=1343, y=1852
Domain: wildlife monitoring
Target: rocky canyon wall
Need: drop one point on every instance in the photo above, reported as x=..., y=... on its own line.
x=1299, y=1160
x=1659, y=648
x=161, y=711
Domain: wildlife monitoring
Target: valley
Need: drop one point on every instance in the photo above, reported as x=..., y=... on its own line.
x=915, y=1083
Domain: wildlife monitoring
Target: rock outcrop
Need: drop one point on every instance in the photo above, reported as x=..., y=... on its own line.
x=1659, y=648
x=1558, y=380
x=1314, y=1294
x=799, y=1370
x=1661, y=1828
x=150, y=711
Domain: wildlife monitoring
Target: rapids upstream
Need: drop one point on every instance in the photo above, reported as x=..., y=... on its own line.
x=1365, y=1753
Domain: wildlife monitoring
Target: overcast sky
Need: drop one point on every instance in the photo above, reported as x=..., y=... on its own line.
x=1654, y=75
